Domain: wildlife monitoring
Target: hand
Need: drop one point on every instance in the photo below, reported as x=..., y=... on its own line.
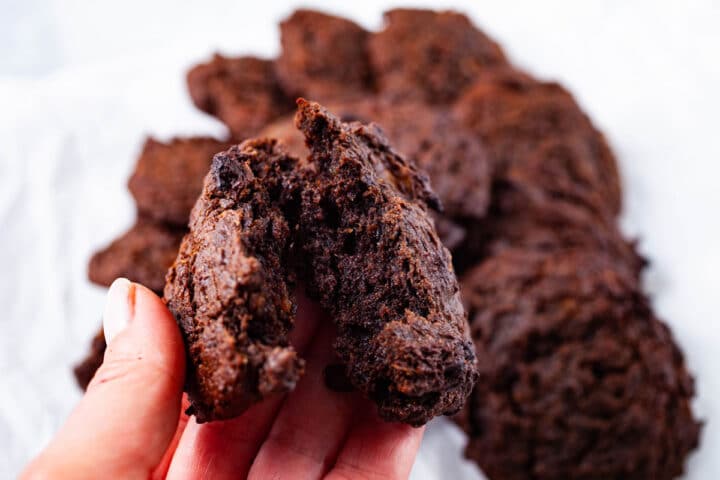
x=130, y=423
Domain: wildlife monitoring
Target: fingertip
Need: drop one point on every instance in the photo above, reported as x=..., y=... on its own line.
x=149, y=305
x=378, y=449
x=118, y=308
x=155, y=328
x=133, y=402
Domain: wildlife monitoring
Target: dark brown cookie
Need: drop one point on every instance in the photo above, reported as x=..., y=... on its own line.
x=431, y=138
x=578, y=379
x=454, y=159
x=323, y=57
x=536, y=131
x=85, y=370
x=142, y=254
x=353, y=220
x=168, y=177
x=430, y=56
x=373, y=259
x=523, y=217
x=242, y=92
x=228, y=288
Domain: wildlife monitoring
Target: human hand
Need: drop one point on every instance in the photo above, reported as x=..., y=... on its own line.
x=130, y=423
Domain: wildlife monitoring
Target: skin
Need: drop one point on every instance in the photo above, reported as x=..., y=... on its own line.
x=130, y=423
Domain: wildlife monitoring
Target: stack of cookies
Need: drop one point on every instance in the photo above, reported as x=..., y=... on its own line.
x=577, y=378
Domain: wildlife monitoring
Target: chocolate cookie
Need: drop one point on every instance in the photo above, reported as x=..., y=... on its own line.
x=536, y=131
x=373, y=259
x=578, y=379
x=450, y=232
x=242, y=92
x=323, y=57
x=168, y=177
x=429, y=137
x=142, y=254
x=228, y=288
x=454, y=159
x=352, y=220
x=430, y=56
x=522, y=217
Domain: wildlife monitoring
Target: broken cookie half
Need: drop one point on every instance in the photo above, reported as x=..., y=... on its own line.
x=351, y=220
x=229, y=287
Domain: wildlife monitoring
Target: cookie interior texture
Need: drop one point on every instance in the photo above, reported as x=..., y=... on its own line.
x=229, y=288
x=530, y=187
x=374, y=261
x=352, y=218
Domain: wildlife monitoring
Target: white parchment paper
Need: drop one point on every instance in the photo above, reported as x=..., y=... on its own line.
x=81, y=83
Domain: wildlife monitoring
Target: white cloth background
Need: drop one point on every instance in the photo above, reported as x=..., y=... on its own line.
x=81, y=84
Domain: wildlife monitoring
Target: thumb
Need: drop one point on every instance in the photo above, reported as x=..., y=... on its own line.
x=126, y=420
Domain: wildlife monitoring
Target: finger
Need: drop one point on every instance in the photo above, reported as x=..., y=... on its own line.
x=223, y=449
x=377, y=450
x=312, y=424
x=226, y=449
x=125, y=421
x=162, y=468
